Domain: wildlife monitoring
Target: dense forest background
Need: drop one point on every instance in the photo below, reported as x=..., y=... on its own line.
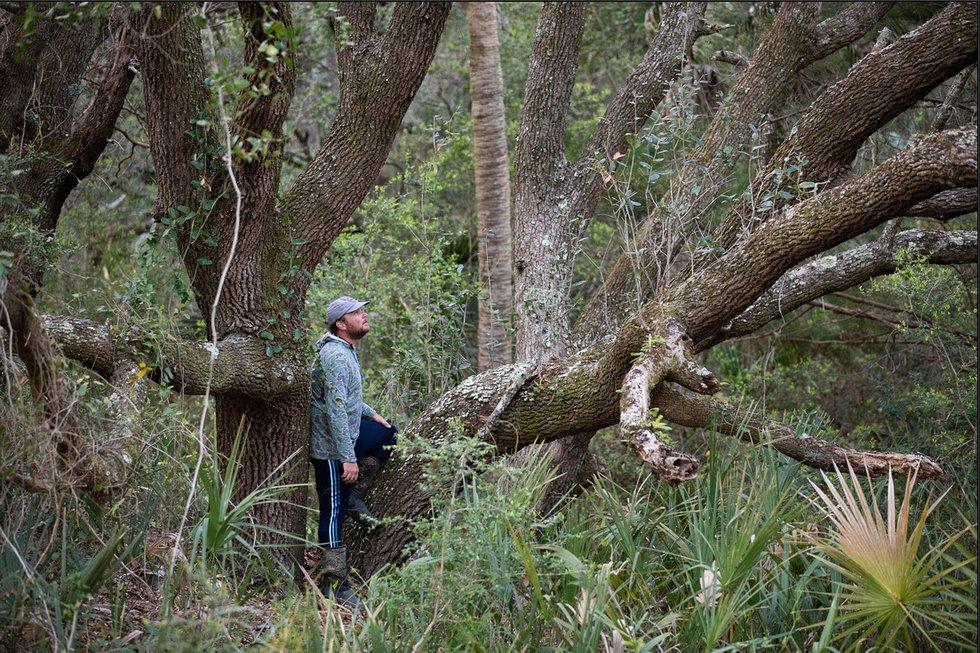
x=755, y=550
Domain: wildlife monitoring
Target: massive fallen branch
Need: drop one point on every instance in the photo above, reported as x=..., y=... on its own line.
x=747, y=426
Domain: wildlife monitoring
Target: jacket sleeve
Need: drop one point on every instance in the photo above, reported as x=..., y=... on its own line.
x=335, y=391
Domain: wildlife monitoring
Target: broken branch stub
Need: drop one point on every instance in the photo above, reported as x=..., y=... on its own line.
x=666, y=358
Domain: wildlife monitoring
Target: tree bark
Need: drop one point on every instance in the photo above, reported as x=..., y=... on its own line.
x=847, y=269
x=542, y=250
x=702, y=412
x=375, y=71
x=492, y=187
x=793, y=42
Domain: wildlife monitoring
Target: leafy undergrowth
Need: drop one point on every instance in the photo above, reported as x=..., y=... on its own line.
x=742, y=558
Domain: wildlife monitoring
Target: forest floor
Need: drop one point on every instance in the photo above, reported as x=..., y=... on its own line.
x=128, y=611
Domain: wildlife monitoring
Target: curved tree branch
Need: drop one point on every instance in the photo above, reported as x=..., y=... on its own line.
x=946, y=205
x=929, y=165
x=845, y=270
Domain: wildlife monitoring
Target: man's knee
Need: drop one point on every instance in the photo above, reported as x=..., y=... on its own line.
x=374, y=439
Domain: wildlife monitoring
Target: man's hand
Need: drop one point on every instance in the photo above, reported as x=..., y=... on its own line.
x=381, y=420
x=349, y=475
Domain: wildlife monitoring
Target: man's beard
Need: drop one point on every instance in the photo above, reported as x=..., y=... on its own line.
x=356, y=333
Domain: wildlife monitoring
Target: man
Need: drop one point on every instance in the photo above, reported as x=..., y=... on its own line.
x=344, y=431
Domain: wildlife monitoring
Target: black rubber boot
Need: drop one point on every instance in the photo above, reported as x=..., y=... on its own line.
x=333, y=578
x=368, y=470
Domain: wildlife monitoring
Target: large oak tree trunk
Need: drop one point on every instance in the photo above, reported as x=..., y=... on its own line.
x=274, y=453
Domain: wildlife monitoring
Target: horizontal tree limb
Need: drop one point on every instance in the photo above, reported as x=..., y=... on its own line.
x=813, y=452
x=241, y=365
x=946, y=205
x=847, y=269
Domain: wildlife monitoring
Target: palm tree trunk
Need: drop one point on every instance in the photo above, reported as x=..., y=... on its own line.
x=492, y=185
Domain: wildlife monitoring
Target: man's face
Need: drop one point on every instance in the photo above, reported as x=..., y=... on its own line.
x=355, y=324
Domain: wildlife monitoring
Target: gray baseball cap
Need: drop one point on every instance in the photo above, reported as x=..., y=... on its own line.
x=340, y=307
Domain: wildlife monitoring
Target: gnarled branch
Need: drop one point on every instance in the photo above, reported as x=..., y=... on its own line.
x=667, y=353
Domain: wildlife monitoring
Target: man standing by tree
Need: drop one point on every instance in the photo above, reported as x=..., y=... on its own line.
x=349, y=440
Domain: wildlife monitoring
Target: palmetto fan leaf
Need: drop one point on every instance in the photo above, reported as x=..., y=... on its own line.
x=891, y=593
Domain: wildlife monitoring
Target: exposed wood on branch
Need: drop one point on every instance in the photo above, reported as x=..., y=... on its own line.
x=636, y=419
x=521, y=373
